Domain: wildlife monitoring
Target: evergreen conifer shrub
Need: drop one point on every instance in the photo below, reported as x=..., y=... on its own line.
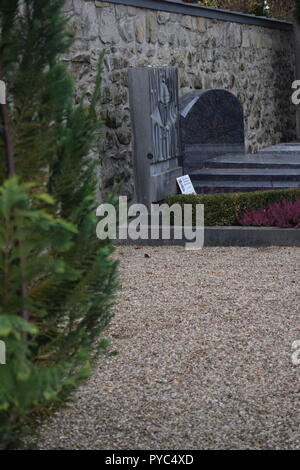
x=58, y=282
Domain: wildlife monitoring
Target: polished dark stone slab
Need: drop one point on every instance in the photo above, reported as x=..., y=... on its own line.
x=259, y=160
x=212, y=124
x=288, y=147
x=240, y=174
x=265, y=170
x=236, y=186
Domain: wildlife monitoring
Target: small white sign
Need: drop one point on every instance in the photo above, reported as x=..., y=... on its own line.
x=185, y=185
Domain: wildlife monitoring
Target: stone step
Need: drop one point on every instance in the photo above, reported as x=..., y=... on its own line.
x=283, y=148
x=254, y=161
x=231, y=186
x=275, y=167
x=246, y=174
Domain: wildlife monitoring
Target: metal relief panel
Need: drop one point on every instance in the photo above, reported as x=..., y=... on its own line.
x=163, y=82
x=154, y=108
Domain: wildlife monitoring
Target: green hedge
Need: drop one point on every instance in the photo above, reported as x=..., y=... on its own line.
x=225, y=208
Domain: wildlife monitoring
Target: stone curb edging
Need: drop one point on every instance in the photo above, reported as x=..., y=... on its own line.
x=232, y=236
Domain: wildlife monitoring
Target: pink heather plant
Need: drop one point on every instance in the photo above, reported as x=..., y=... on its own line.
x=283, y=214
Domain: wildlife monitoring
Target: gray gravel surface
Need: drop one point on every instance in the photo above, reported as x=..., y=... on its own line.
x=205, y=343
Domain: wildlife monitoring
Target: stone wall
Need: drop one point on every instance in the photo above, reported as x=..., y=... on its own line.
x=255, y=63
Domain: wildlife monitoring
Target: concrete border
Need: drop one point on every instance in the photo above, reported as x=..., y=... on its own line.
x=232, y=236
x=176, y=6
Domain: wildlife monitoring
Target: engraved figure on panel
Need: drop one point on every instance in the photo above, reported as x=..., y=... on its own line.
x=163, y=114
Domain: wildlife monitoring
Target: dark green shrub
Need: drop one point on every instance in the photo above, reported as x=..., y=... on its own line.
x=226, y=208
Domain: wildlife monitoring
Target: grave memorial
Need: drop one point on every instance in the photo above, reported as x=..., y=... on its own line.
x=154, y=107
x=212, y=124
x=200, y=136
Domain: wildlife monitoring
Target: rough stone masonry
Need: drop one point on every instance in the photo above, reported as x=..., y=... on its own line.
x=253, y=62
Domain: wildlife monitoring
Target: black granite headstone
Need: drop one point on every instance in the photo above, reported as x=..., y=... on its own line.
x=212, y=124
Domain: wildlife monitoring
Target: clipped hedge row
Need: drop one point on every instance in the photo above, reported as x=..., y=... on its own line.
x=226, y=208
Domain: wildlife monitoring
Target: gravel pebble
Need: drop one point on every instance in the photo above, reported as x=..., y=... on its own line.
x=205, y=343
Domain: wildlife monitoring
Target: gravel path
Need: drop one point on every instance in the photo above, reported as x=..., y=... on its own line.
x=205, y=343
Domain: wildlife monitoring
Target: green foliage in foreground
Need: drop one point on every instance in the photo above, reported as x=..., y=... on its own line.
x=224, y=208
x=57, y=280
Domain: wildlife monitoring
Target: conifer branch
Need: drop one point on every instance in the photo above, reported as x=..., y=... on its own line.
x=11, y=171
